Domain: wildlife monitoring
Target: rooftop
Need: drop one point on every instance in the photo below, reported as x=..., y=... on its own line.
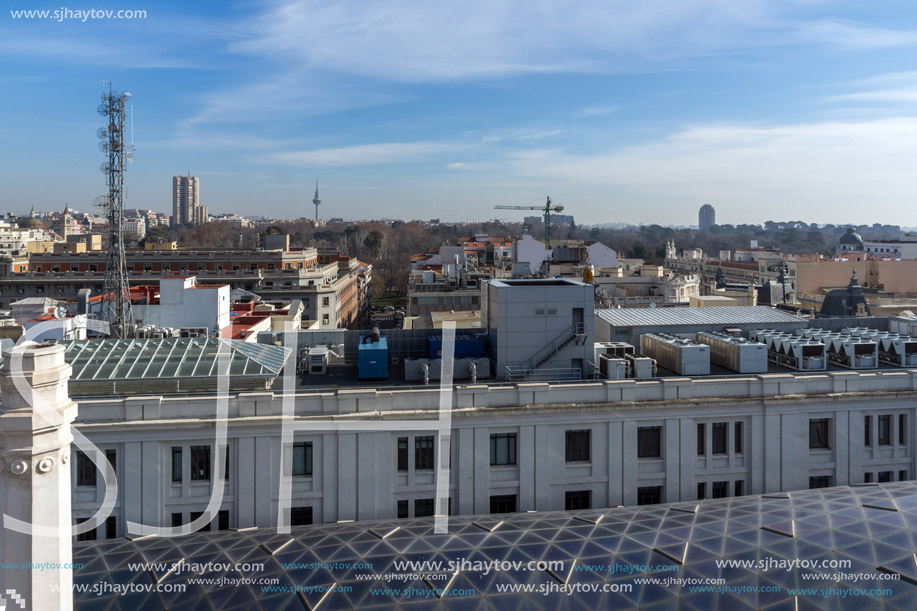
x=870, y=526
x=714, y=315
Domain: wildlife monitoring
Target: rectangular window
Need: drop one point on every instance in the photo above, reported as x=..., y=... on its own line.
x=818, y=433
x=111, y=527
x=112, y=457
x=86, y=536
x=423, y=508
x=176, y=464
x=902, y=429
x=85, y=470
x=402, y=509
x=223, y=519
x=739, y=486
x=886, y=476
x=720, y=490
x=200, y=463
x=403, y=454
x=719, y=438
x=226, y=465
x=503, y=503
x=885, y=430
x=423, y=454
x=302, y=458
x=577, y=499
x=701, y=439
x=649, y=495
x=820, y=481
x=867, y=477
x=701, y=491
x=902, y=475
x=503, y=449
x=739, y=438
x=300, y=516
x=577, y=446
x=649, y=442
x=196, y=515
x=867, y=431
x=176, y=520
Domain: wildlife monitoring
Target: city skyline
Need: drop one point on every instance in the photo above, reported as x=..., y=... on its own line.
x=782, y=110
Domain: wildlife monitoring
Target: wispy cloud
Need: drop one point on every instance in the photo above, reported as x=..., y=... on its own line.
x=366, y=154
x=894, y=88
x=595, y=111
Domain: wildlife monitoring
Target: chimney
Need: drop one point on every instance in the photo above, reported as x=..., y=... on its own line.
x=35, y=475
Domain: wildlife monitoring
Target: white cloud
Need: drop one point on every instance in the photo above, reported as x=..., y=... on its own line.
x=790, y=168
x=366, y=154
x=595, y=111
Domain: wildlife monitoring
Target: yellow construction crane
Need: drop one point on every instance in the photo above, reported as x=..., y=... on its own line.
x=547, y=209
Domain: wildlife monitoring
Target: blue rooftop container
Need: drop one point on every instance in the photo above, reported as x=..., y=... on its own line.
x=372, y=361
x=466, y=346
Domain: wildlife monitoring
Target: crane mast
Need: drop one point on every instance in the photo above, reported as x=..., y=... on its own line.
x=546, y=210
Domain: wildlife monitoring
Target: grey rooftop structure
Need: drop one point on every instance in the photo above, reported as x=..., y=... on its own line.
x=170, y=365
x=628, y=324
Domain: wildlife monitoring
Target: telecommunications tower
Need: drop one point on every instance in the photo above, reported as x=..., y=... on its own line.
x=116, y=302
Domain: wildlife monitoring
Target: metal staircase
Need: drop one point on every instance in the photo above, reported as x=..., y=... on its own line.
x=575, y=333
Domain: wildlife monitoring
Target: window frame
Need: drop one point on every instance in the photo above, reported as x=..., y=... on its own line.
x=509, y=457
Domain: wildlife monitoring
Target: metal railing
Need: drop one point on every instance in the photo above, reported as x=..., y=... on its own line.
x=559, y=374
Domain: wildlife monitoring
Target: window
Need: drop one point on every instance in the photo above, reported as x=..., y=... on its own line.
x=867, y=477
x=649, y=495
x=820, y=481
x=902, y=429
x=403, y=454
x=176, y=464
x=739, y=437
x=649, y=441
x=719, y=438
x=195, y=515
x=300, y=516
x=112, y=457
x=886, y=476
x=739, y=487
x=200, y=463
x=223, y=520
x=902, y=475
x=503, y=449
x=85, y=470
x=423, y=508
x=701, y=439
x=720, y=490
x=402, y=509
x=701, y=491
x=867, y=431
x=226, y=466
x=885, y=430
x=88, y=535
x=818, y=433
x=577, y=446
x=577, y=499
x=302, y=458
x=423, y=454
x=325, y=301
x=111, y=527
x=503, y=503
x=176, y=520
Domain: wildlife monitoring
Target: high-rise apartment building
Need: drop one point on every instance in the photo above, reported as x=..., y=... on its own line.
x=706, y=217
x=186, y=205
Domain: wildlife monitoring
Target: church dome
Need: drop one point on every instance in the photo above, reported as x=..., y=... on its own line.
x=851, y=238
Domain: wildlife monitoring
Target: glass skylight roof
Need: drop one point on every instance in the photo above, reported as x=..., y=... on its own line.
x=871, y=526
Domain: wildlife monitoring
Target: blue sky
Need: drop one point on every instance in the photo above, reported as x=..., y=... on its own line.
x=623, y=111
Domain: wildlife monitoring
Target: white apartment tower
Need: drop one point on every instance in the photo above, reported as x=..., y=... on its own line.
x=186, y=205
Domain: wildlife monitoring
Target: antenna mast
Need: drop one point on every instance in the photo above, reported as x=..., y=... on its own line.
x=116, y=303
